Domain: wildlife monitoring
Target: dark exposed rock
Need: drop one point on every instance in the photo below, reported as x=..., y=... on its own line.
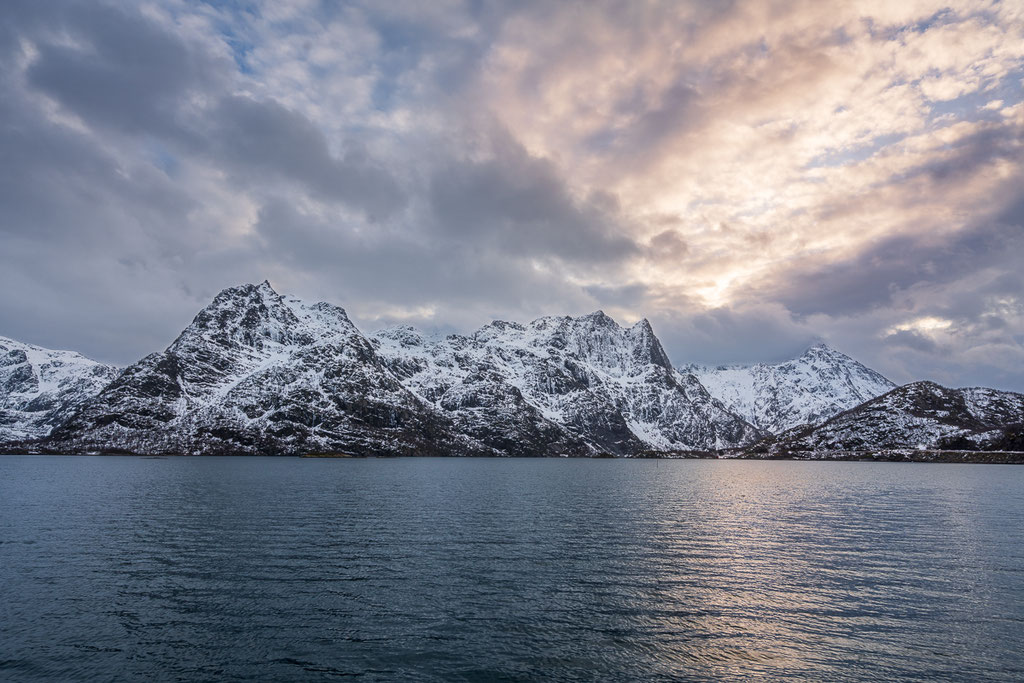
x=921, y=415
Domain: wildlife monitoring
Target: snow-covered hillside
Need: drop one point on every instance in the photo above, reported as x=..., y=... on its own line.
x=257, y=372
x=586, y=383
x=40, y=387
x=820, y=383
x=918, y=415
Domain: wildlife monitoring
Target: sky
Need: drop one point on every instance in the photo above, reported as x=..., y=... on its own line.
x=753, y=177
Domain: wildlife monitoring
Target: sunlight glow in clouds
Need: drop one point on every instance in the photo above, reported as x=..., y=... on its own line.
x=752, y=176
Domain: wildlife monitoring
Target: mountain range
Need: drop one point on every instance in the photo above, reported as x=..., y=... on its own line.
x=257, y=372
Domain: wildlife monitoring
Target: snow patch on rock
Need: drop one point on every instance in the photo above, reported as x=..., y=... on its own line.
x=819, y=384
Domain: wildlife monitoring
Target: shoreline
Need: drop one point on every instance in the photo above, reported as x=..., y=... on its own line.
x=887, y=455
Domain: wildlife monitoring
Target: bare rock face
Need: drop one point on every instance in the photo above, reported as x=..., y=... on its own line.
x=40, y=388
x=921, y=415
x=810, y=389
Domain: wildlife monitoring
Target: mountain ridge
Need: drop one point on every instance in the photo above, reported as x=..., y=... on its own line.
x=585, y=374
x=814, y=386
x=923, y=415
x=258, y=372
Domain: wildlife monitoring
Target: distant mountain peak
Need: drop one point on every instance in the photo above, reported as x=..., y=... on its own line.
x=812, y=387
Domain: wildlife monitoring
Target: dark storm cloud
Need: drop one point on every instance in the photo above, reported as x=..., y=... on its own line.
x=973, y=152
x=667, y=245
x=677, y=111
x=624, y=296
x=60, y=186
x=257, y=138
x=520, y=204
x=123, y=71
x=912, y=340
x=871, y=278
x=369, y=269
x=731, y=335
x=130, y=75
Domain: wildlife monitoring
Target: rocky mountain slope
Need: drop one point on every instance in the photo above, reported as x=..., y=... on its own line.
x=921, y=415
x=820, y=383
x=257, y=372
x=40, y=388
x=260, y=373
x=584, y=383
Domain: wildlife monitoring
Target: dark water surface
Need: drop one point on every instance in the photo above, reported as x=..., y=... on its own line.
x=289, y=569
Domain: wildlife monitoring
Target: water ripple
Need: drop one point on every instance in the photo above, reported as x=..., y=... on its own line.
x=282, y=569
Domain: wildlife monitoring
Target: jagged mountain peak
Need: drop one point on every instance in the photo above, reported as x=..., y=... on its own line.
x=643, y=324
x=260, y=372
x=498, y=328
x=598, y=318
x=258, y=317
x=599, y=339
x=594, y=338
x=821, y=350
x=647, y=346
x=586, y=383
x=247, y=314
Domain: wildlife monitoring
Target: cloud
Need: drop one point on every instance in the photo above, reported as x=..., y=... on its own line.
x=369, y=272
x=120, y=70
x=521, y=205
x=256, y=138
x=912, y=340
x=752, y=176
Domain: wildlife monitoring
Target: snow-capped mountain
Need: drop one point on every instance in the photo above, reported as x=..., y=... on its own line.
x=257, y=372
x=820, y=383
x=261, y=373
x=574, y=385
x=918, y=415
x=40, y=388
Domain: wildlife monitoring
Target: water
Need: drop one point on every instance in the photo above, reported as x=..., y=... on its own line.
x=290, y=569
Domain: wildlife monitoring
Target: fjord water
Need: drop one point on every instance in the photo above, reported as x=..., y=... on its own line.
x=120, y=568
